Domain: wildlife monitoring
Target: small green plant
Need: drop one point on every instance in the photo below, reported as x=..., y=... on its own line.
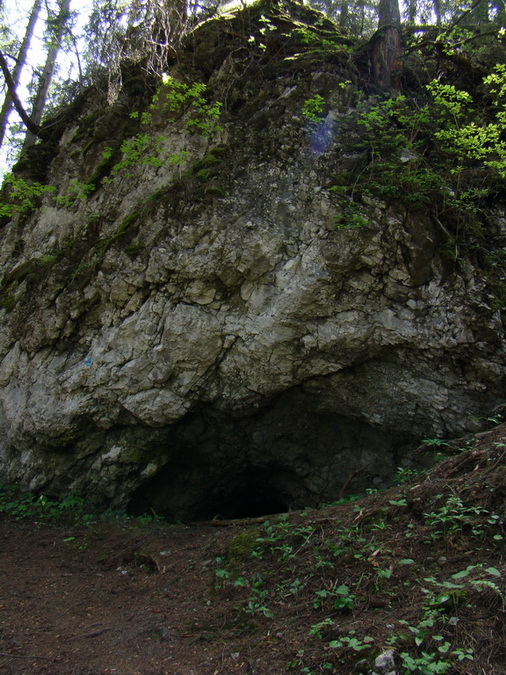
x=382, y=576
x=349, y=220
x=15, y=505
x=341, y=598
x=75, y=191
x=142, y=149
x=290, y=587
x=179, y=97
x=317, y=628
x=398, y=502
x=312, y=108
x=435, y=442
x=477, y=577
x=427, y=663
x=19, y=505
x=173, y=100
x=405, y=475
x=48, y=259
x=448, y=152
x=454, y=516
x=310, y=38
x=257, y=602
x=144, y=117
x=21, y=196
x=493, y=419
x=352, y=642
x=222, y=571
x=431, y=652
x=467, y=139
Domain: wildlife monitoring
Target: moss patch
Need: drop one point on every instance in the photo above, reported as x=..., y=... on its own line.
x=242, y=545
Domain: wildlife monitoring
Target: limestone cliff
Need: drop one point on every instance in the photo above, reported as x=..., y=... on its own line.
x=193, y=319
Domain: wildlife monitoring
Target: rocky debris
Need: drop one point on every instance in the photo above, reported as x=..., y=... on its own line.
x=385, y=663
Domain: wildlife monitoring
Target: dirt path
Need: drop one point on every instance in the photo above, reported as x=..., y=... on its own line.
x=113, y=600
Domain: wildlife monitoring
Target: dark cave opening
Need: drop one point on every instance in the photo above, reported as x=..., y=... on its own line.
x=249, y=497
x=189, y=496
x=287, y=456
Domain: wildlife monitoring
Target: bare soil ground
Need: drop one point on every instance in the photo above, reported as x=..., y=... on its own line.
x=420, y=568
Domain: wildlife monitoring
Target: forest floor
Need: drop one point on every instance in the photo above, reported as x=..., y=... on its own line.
x=418, y=569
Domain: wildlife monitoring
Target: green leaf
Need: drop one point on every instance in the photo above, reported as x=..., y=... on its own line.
x=494, y=571
x=463, y=573
x=444, y=648
x=398, y=502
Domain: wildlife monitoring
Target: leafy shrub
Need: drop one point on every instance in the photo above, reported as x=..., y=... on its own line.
x=21, y=196
x=313, y=108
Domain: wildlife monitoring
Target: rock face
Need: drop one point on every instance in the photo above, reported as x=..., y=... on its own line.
x=198, y=337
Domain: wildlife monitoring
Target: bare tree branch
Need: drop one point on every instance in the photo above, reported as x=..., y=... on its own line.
x=30, y=125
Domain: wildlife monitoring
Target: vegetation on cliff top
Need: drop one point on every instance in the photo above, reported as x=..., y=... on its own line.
x=431, y=133
x=55, y=49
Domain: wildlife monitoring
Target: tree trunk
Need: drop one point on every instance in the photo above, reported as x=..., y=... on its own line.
x=500, y=6
x=385, y=47
x=385, y=59
x=178, y=17
x=481, y=13
x=343, y=15
x=412, y=10
x=20, y=63
x=437, y=11
x=389, y=13
x=47, y=73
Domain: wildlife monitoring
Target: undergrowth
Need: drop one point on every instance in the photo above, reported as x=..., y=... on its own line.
x=371, y=577
x=75, y=509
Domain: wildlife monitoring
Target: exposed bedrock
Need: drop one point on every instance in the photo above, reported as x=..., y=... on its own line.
x=246, y=361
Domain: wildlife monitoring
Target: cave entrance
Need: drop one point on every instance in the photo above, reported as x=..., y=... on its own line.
x=186, y=494
x=251, y=494
x=287, y=456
